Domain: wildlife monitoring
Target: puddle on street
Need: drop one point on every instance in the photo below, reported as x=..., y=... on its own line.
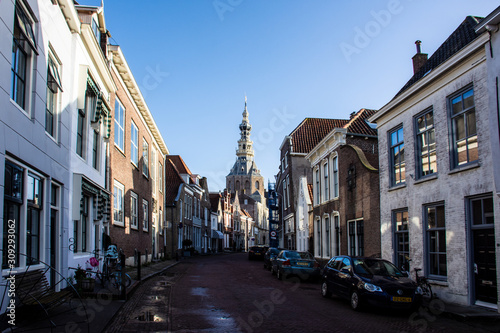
x=199, y=291
x=148, y=316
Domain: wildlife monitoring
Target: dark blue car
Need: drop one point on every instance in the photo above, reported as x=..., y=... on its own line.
x=369, y=281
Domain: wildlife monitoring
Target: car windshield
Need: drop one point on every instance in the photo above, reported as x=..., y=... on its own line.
x=376, y=267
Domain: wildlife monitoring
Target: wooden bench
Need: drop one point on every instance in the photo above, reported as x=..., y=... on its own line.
x=32, y=288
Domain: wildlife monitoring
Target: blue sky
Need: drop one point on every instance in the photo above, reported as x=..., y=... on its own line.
x=195, y=61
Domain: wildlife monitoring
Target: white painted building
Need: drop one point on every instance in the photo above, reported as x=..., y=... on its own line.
x=303, y=215
x=438, y=203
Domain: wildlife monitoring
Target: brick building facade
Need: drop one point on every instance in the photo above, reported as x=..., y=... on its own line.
x=136, y=169
x=345, y=190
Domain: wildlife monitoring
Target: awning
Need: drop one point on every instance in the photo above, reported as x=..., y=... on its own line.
x=217, y=234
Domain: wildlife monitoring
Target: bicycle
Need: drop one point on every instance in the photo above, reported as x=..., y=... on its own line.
x=116, y=280
x=423, y=283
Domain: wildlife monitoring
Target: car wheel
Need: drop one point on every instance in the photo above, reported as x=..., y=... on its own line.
x=272, y=270
x=324, y=290
x=355, y=301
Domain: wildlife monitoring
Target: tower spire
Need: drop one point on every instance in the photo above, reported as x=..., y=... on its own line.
x=245, y=145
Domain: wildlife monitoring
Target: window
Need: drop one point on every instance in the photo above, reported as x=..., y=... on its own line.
x=284, y=194
x=161, y=221
x=81, y=236
x=356, y=238
x=35, y=200
x=288, y=190
x=145, y=158
x=89, y=109
x=325, y=182
x=336, y=221
x=118, y=215
x=318, y=238
x=134, y=144
x=335, y=166
x=95, y=150
x=96, y=31
x=53, y=86
x=317, y=198
x=426, y=144
x=286, y=159
x=153, y=170
x=397, y=155
x=401, y=238
x=119, y=125
x=436, y=239
x=134, y=210
x=145, y=212
x=327, y=237
x=160, y=177
x=257, y=185
x=463, y=128
x=23, y=47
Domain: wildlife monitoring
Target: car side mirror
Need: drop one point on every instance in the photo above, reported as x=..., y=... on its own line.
x=345, y=271
x=405, y=274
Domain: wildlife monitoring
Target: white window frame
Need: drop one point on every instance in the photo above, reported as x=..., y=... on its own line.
x=145, y=215
x=134, y=211
x=54, y=72
x=119, y=125
x=334, y=161
x=153, y=170
x=134, y=146
x=145, y=158
x=326, y=181
x=118, y=200
x=160, y=177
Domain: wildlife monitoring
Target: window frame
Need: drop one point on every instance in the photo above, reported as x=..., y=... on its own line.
x=326, y=180
x=119, y=129
x=145, y=215
x=134, y=211
x=437, y=230
x=118, y=206
x=145, y=157
x=54, y=87
x=335, y=178
x=24, y=45
x=426, y=132
x=96, y=145
x=134, y=146
x=392, y=158
x=396, y=234
x=454, y=154
x=355, y=238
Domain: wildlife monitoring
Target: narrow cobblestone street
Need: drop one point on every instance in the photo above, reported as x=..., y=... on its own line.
x=228, y=293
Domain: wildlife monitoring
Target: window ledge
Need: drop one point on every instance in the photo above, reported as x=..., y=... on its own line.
x=397, y=187
x=466, y=167
x=134, y=228
x=52, y=138
x=441, y=283
x=426, y=178
x=121, y=151
x=119, y=224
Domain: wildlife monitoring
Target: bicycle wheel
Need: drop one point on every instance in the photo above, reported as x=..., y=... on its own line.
x=427, y=291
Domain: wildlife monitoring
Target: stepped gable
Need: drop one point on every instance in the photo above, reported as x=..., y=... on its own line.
x=460, y=38
x=311, y=131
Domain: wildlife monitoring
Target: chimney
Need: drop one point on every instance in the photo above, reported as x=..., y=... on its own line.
x=419, y=59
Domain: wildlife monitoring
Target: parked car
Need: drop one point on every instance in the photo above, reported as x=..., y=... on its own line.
x=257, y=252
x=372, y=281
x=270, y=254
x=290, y=262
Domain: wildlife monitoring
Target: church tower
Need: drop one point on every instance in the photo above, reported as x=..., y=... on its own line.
x=244, y=177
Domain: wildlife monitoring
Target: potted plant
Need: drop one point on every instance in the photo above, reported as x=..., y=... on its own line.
x=83, y=280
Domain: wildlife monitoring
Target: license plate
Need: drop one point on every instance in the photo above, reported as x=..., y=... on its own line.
x=303, y=264
x=401, y=299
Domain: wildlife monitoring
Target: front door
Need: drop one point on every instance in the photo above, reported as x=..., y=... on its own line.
x=483, y=242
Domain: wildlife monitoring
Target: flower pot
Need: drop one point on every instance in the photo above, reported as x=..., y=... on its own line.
x=87, y=284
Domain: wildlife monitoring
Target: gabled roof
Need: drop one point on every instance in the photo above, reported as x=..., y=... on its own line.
x=462, y=36
x=173, y=180
x=311, y=131
x=358, y=123
x=179, y=164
